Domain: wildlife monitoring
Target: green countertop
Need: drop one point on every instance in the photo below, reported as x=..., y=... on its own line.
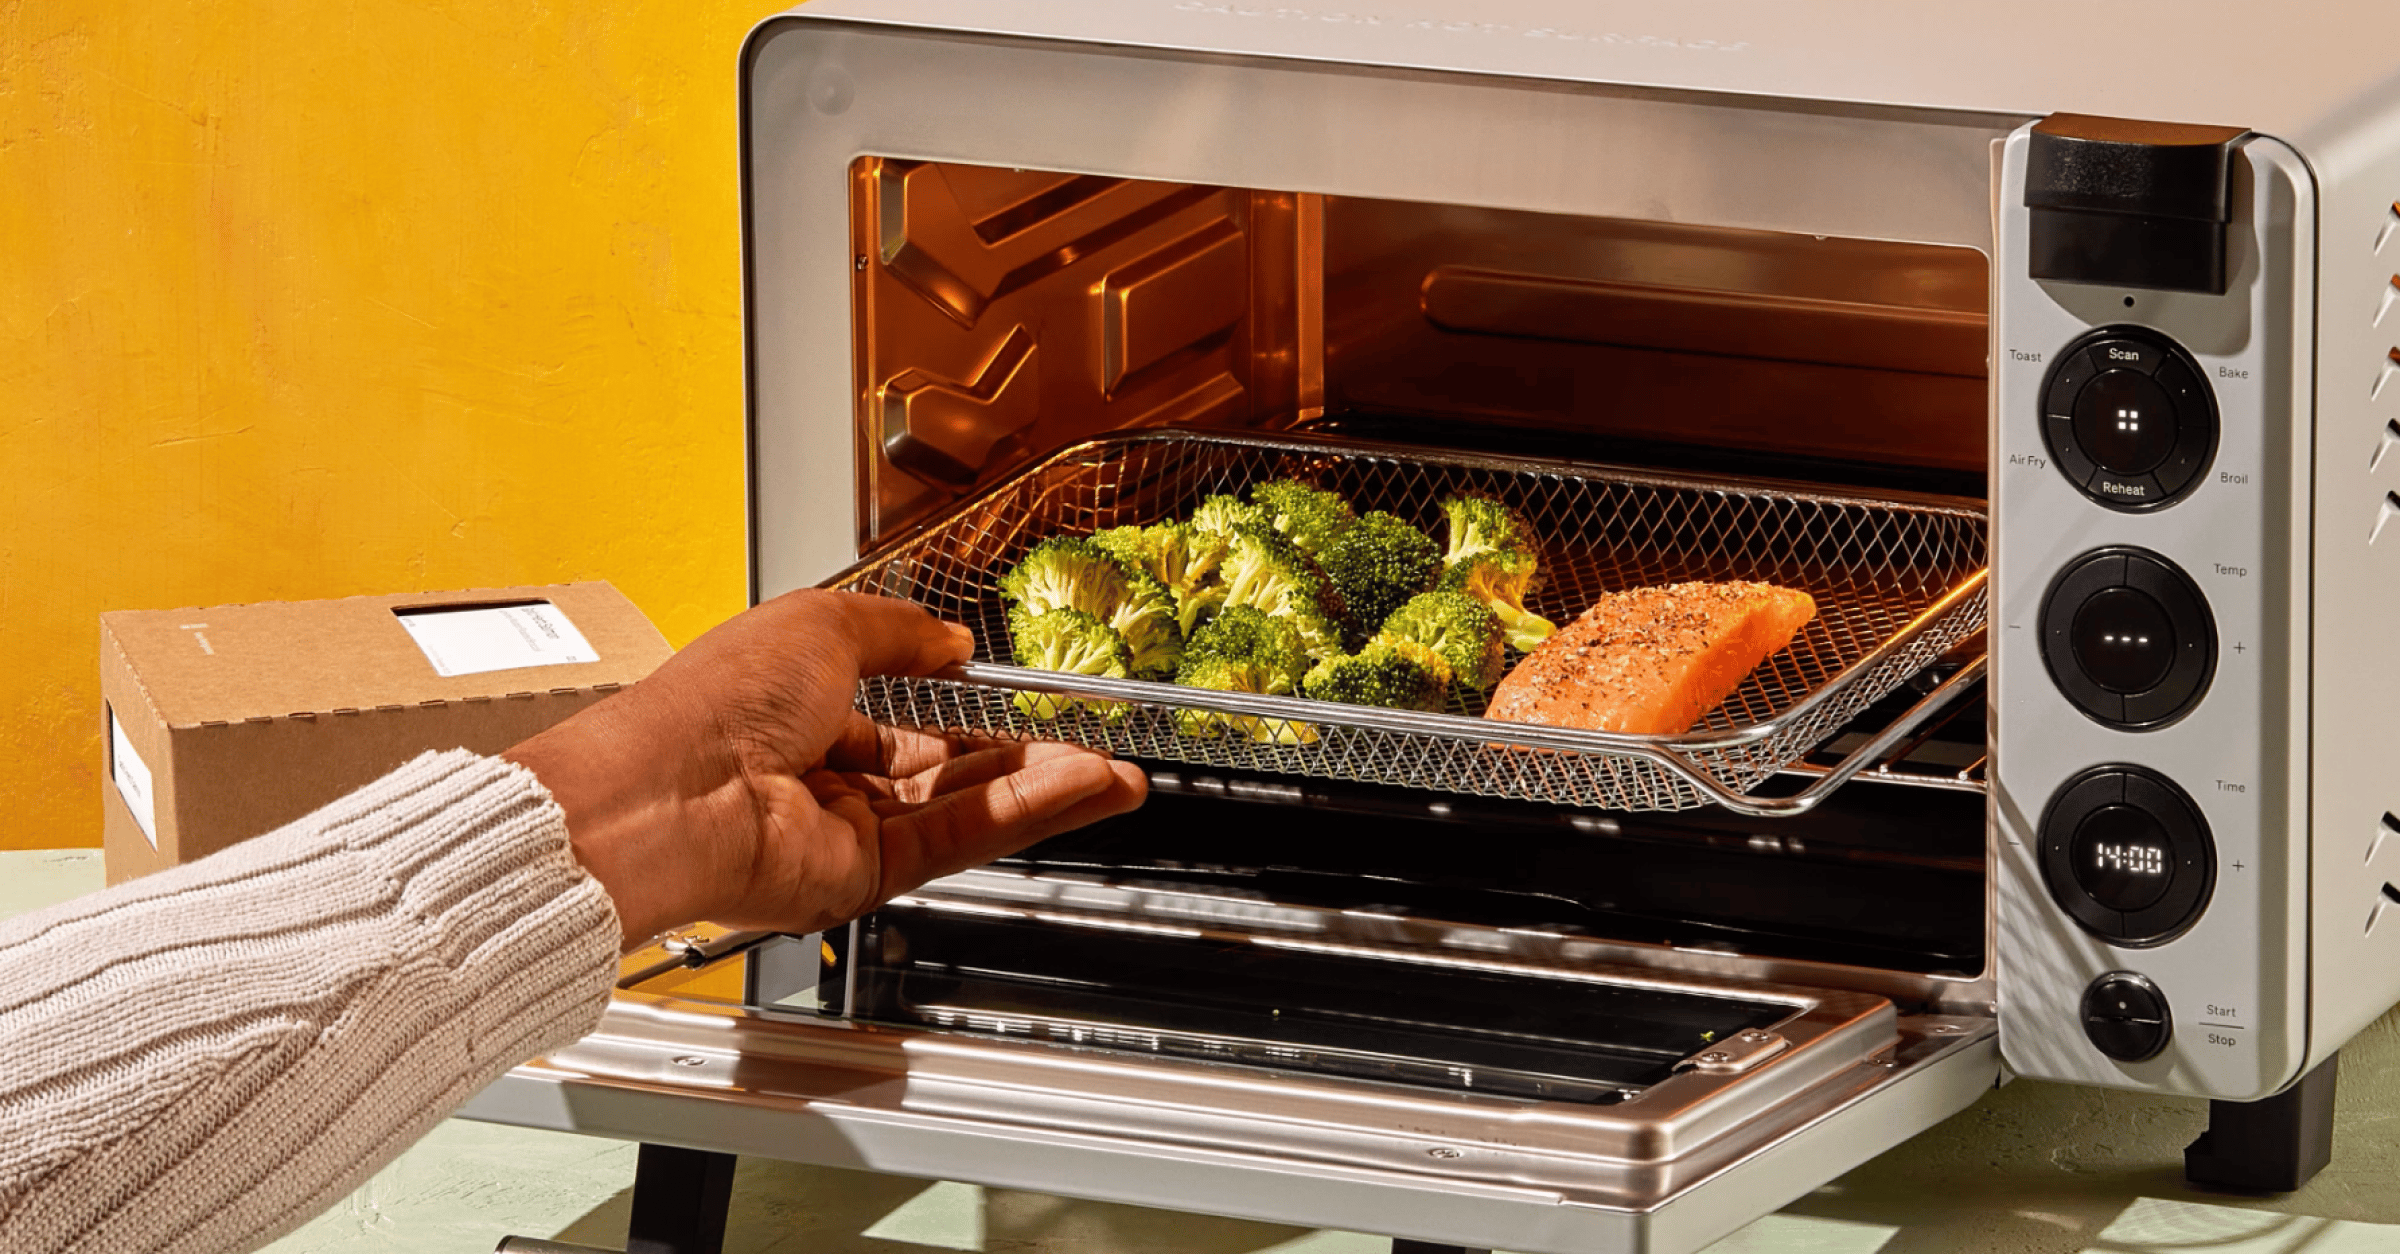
x=2034, y=1168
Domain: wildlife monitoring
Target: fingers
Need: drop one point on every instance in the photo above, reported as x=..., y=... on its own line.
x=903, y=753
x=1057, y=788
x=885, y=636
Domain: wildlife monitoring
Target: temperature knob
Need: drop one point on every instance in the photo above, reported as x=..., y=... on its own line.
x=2128, y=638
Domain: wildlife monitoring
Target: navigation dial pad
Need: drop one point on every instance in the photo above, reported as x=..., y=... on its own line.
x=2128, y=855
x=2129, y=638
x=2128, y=418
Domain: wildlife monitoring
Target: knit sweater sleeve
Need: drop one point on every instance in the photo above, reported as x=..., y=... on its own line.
x=202, y=1059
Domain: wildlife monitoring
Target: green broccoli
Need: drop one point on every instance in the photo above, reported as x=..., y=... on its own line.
x=1065, y=640
x=1311, y=518
x=1194, y=609
x=1264, y=570
x=1248, y=636
x=1221, y=515
x=1244, y=650
x=1066, y=573
x=1398, y=674
x=1225, y=675
x=1146, y=621
x=1176, y=554
x=1479, y=524
x=1459, y=628
x=1379, y=563
x=1500, y=582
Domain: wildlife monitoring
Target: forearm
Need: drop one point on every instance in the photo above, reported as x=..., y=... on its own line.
x=206, y=1057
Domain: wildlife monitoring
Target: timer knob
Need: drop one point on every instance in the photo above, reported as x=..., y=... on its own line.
x=2128, y=855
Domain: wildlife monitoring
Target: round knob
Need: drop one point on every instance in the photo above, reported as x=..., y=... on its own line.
x=2126, y=1017
x=2128, y=855
x=2128, y=637
x=2129, y=418
x=2125, y=422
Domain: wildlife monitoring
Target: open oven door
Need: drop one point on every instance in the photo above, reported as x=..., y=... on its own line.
x=1690, y=1106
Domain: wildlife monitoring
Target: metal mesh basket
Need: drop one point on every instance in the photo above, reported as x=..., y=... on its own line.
x=1898, y=582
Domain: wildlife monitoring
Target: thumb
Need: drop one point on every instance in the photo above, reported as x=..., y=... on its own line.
x=886, y=636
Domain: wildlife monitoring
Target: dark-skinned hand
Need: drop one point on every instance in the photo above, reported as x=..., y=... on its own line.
x=738, y=785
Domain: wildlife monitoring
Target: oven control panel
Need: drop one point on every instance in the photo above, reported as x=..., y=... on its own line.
x=2151, y=855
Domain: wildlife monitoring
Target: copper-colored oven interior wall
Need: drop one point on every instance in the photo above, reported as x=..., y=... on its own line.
x=1784, y=344
x=1001, y=313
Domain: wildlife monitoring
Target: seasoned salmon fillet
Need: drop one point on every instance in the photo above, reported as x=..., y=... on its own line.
x=1651, y=659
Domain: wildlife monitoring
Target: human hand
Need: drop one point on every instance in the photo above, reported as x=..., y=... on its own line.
x=737, y=784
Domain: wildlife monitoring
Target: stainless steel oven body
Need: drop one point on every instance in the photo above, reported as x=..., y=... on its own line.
x=1782, y=254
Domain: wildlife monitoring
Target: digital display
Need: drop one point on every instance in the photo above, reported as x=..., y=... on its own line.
x=2129, y=859
x=2122, y=857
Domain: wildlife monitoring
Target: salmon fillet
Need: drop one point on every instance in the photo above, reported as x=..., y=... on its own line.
x=1651, y=659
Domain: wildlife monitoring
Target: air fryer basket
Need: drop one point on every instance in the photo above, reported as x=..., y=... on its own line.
x=1898, y=582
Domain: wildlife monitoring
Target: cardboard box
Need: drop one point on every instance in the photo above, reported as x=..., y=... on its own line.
x=230, y=721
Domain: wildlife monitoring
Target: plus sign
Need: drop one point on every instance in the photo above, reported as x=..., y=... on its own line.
x=2237, y=647
x=2237, y=866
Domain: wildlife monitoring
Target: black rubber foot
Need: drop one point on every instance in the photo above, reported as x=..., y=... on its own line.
x=680, y=1197
x=1400, y=1246
x=2270, y=1146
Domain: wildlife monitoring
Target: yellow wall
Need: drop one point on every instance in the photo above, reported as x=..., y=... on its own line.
x=309, y=299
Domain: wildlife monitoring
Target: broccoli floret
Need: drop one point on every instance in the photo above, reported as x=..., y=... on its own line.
x=1146, y=620
x=1266, y=571
x=1244, y=650
x=1500, y=582
x=1246, y=636
x=1064, y=640
x=1398, y=674
x=1222, y=515
x=1066, y=573
x=1479, y=524
x=1459, y=628
x=1194, y=609
x=1178, y=555
x=1379, y=563
x=1223, y=674
x=1310, y=518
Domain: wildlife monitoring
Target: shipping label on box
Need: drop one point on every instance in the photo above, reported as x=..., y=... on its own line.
x=230, y=721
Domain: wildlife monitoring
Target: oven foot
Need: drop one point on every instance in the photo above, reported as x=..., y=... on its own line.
x=680, y=1197
x=679, y=1201
x=2271, y=1146
x=1403, y=1246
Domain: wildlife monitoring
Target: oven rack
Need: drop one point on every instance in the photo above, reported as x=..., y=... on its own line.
x=1898, y=580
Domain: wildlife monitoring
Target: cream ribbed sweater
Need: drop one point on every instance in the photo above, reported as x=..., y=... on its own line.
x=202, y=1059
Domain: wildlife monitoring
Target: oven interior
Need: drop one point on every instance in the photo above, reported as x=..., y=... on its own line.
x=1000, y=314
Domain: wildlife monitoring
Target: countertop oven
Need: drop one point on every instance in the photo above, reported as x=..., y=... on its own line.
x=2059, y=369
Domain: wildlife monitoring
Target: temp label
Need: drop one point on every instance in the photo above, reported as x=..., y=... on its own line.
x=475, y=639
x=132, y=776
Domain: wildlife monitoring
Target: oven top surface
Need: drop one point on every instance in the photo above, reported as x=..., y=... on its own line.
x=2284, y=71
